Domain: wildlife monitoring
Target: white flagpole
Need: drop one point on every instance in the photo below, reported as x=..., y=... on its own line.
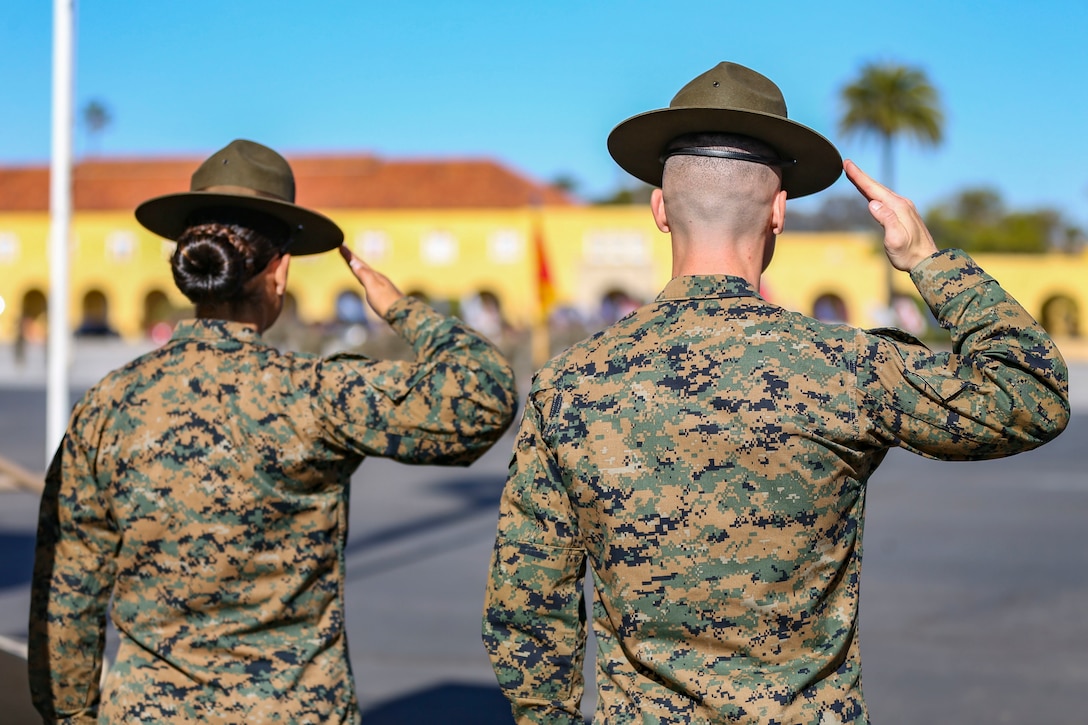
x=60, y=215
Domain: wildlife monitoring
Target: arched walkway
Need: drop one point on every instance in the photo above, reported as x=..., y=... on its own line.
x=615, y=304
x=482, y=311
x=829, y=307
x=159, y=316
x=95, y=321
x=350, y=308
x=1061, y=317
x=33, y=317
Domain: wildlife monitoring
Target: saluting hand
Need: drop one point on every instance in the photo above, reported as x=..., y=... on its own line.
x=907, y=241
x=380, y=292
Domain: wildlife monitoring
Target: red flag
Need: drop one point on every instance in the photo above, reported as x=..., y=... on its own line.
x=545, y=289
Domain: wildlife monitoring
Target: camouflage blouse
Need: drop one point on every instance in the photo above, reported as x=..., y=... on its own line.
x=708, y=457
x=204, y=487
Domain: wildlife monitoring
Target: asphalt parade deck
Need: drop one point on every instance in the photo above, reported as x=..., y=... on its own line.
x=974, y=597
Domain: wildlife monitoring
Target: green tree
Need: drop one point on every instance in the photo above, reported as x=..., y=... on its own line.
x=888, y=101
x=565, y=182
x=976, y=220
x=639, y=194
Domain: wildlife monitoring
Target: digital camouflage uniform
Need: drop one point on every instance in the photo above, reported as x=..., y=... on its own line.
x=708, y=455
x=205, y=486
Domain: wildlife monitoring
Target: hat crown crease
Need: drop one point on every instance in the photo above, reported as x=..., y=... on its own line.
x=247, y=166
x=730, y=86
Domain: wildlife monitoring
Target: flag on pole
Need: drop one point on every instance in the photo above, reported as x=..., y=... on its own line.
x=545, y=286
x=545, y=296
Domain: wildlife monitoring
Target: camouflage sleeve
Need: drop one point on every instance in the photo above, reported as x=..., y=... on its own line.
x=71, y=586
x=534, y=610
x=447, y=406
x=1002, y=389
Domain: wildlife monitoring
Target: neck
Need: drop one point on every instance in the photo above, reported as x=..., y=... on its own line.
x=245, y=314
x=745, y=259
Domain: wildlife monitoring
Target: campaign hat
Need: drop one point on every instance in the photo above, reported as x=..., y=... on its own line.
x=733, y=99
x=248, y=177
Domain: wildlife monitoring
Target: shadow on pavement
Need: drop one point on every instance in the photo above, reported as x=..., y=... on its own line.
x=15, y=701
x=448, y=704
x=398, y=545
x=475, y=495
x=17, y=562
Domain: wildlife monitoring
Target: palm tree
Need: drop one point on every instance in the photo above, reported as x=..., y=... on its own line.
x=96, y=117
x=887, y=101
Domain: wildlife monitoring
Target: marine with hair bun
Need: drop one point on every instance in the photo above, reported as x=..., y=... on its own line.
x=204, y=486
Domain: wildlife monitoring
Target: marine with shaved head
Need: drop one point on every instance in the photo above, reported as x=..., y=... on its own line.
x=706, y=457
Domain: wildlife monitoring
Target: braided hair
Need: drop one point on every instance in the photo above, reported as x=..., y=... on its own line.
x=220, y=253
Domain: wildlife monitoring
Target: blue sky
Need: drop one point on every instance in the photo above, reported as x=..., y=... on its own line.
x=538, y=86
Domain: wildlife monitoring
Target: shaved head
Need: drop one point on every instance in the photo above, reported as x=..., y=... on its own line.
x=726, y=197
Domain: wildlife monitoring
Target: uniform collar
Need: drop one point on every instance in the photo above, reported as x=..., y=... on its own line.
x=706, y=285
x=215, y=330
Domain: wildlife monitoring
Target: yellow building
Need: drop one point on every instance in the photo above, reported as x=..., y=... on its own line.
x=120, y=273
x=458, y=249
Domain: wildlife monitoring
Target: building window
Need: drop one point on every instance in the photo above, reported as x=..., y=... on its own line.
x=120, y=246
x=439, y=248
x=9, y=248
x=372, y=245
x=504, y=246
x=615, y=247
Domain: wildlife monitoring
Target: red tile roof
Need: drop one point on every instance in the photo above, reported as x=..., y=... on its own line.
x=322, y=182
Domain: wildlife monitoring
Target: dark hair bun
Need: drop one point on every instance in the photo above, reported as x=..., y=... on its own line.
x=208, y=267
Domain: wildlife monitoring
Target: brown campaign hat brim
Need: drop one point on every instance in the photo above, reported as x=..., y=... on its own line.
x=638, y=143
x=169, y=216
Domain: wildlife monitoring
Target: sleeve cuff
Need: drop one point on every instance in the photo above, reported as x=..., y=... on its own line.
x=943, y=276
x=412, y=318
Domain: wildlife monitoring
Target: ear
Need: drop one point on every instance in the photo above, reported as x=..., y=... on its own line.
x=657, y=208
x=279, y=272
x=778, y=213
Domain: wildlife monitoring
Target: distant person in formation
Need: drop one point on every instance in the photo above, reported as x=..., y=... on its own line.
x=204, y=486
x=707, y=455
